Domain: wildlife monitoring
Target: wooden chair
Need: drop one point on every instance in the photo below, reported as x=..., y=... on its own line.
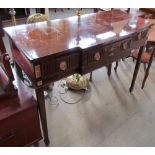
x=146, y=55
x=144, y=59
x=6, y=75
x=19, y=119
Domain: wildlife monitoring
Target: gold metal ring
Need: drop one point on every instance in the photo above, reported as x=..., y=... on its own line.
x=125, y=45
x=139, y=36
x=97, y=56
x=63, y=65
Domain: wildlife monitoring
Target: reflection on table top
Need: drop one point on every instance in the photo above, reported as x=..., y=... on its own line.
x=45, y=38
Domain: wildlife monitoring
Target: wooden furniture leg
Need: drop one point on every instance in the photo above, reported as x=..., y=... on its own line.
x=36, y=144
x=42, y=111
x=144, y=66
x=115, y=68
x=148, y=68
x=90, y=78
x=136, y=69
x=109, y=69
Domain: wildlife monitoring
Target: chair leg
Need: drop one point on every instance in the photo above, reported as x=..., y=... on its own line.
x=136, y=69
x=90, y=78
x=115, y=68
x=144, y=67
x=148, y=68
x=36, y=144
x=109, y=69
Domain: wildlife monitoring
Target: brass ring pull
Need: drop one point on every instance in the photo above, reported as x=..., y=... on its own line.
x=63, y=65
x=125, y=45
x=97, y=56
x=139, y=36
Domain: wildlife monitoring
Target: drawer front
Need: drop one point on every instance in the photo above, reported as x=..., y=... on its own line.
x=92, y=59
x=60, y=66
x=22, y=129
x=69, y=62
x=95, y=57
x=139, y=39
x=118, y=50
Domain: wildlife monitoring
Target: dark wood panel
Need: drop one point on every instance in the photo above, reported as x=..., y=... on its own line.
x=60, y=66
x=92, y=58
x=19, y=119
x=1, y=27
x=20, y=129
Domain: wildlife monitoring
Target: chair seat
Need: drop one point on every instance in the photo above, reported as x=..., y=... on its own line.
x=145, y=56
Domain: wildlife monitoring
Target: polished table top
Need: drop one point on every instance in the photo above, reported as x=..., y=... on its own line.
x=42, y=39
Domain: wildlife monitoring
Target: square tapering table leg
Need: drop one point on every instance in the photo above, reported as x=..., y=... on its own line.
x=136, y=68
x=42, y=111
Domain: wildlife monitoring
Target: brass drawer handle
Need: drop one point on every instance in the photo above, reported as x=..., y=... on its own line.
x=125, y=45
x=63, y=65
x=111, y=54
x=97, y=56
x=139, y=36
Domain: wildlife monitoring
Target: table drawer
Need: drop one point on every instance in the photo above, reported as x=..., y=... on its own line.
x=92, y=59
x=22, y=129
x=60, y=66
x=95, y=56
x=118, y=50
x=68, y=62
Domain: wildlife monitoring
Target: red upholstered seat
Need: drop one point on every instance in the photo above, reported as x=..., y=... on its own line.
x=145, y=56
